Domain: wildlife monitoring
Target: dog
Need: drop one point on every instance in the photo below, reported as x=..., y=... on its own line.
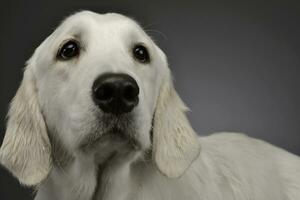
x=97, y=117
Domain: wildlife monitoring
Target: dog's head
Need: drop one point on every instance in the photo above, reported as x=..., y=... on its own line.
x=100, y=86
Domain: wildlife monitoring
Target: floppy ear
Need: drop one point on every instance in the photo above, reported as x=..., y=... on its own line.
x=25, y=151
x=175, y=144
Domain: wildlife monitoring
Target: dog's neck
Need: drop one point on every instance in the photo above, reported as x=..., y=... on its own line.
x=124, y=179
x=83, y=178
x=121, y=176
x=113, y=176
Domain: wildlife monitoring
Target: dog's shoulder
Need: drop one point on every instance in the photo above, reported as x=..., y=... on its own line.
x=244, y=160
x=241, y=146
x=226, y=142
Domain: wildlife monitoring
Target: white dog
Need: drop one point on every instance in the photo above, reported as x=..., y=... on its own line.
x=97, y=117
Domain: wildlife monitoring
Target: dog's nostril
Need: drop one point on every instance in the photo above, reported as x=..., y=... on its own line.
x=104, y=92
x=130, y=92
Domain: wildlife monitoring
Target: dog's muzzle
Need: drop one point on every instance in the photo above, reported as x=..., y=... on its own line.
x=115, y=93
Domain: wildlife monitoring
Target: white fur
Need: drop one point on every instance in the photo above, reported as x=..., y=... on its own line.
x=54, y=101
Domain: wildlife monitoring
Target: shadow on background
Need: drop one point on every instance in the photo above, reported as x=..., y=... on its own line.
x=235, y=65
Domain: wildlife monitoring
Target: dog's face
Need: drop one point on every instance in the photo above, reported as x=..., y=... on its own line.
x=100, y=86
x=98, y=80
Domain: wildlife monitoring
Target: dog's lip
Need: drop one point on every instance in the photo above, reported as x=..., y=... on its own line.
x=114, y=136
x=123, y=135
x=117, y=134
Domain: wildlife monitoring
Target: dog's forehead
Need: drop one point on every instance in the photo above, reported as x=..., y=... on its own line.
x=89, y=21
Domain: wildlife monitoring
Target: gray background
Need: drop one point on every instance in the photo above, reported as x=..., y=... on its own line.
x=236, y=65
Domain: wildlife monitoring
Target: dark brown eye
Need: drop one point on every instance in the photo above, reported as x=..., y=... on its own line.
x=69, y=50
x=141, y=54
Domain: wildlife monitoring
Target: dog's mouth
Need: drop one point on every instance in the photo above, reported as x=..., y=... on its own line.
x=112, y=132
x=118, y=135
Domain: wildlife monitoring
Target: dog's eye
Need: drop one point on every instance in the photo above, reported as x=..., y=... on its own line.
x=69, y=50
x=141, y=54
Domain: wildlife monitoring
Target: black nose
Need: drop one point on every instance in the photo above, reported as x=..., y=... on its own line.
x=115, y=93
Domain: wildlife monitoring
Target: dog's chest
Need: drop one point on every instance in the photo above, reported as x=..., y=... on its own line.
x=146, y=184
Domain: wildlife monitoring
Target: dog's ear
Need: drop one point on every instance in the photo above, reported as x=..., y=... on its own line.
x=25, y=151
x=175, y=144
